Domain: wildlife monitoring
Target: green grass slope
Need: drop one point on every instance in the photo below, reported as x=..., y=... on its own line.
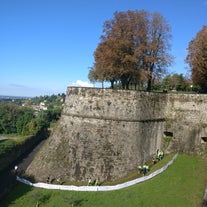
x=181, y=185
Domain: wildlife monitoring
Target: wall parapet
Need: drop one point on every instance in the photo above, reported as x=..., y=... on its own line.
x=115, y=104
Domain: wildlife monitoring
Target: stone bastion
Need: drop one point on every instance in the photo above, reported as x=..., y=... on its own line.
x=105, y=133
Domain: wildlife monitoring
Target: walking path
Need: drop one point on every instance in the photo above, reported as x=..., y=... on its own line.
x=97, y=188
x=3, y=138
x=25, y=162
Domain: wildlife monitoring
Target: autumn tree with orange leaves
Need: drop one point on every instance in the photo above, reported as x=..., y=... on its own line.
x=197, y=59
x=133, y=48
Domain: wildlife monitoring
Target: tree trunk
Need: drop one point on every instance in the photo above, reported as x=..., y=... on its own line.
x=149, y=83
x=112, y=84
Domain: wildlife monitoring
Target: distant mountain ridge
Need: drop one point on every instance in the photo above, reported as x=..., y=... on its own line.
x=13, y=97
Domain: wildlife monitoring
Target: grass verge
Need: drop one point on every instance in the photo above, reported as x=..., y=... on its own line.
x=9, y=144
x=181, y=185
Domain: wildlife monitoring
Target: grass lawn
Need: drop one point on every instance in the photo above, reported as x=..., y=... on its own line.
x=181, y=185
x=9, y=145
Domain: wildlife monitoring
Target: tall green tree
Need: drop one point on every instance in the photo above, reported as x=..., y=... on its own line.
x=197, y=59
x=9, y=114
x=27, y=115
x=175, y=82
x=134, y=47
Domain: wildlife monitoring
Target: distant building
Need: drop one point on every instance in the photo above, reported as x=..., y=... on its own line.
x=42, y=106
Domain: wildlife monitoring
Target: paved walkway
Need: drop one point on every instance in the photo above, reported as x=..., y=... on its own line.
x=25, y=162
x=3, y=138
x=98, y=188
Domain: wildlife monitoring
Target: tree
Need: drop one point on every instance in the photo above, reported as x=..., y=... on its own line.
x=155, y=55
x=9, y=114
x=197, y=59
x=133, y=48
x=175, y=82
x=27, y=115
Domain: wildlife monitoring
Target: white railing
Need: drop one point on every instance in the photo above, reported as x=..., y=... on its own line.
x=97, y=188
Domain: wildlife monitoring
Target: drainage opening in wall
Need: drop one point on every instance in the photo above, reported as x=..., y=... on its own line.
x=204, y=139
x=168, y=134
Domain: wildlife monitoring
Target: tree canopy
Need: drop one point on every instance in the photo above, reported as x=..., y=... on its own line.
x=133, y=49
x=197, y=59
x=25, y=120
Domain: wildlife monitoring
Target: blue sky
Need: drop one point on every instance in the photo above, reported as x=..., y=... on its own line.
x=47, y=45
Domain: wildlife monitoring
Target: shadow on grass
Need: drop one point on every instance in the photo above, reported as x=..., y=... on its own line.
x=39, y=198
x=73, y=200
x=15, y=190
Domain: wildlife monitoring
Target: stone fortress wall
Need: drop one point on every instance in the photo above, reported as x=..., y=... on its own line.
x=104, y=133
x=186, y=119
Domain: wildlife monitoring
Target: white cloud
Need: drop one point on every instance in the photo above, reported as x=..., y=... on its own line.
x=82, y=84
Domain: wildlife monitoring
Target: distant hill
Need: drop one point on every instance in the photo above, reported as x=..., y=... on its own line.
x=3, y=97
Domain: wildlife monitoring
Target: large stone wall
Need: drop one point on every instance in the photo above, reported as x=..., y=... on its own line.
x=105, y=133
x=186, y=118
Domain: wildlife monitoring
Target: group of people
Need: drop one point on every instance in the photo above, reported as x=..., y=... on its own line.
x=145, y=168
x=95, y=182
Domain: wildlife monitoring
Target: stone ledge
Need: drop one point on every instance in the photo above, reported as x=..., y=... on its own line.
x=113, y=119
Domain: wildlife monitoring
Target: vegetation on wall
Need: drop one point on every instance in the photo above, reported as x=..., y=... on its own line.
x=133, y=49
x=134, y=54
